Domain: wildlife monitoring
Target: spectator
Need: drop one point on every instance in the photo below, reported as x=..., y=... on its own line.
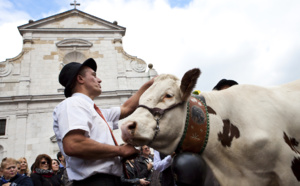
x=10, y=175
x=83, y=131
x=56, y=170
x=61, y=159
x=144, y=163
x=162, y=163
x=18, y=167
x=42, y=172
x=23, y=166
x=224, y=84
x=62, y=167
x=130, y=177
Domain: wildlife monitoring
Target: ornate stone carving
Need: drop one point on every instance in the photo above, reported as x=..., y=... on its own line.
x=136, y=64
x=5, y=68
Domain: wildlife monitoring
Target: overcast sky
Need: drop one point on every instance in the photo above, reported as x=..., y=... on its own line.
x=250, y=41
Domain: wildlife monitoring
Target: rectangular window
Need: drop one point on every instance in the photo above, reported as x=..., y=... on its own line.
x=2, y=127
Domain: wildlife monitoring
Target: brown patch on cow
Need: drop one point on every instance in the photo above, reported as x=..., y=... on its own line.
x=296, y=168
x=292, y=142
x=211, y=110
x=229, y=132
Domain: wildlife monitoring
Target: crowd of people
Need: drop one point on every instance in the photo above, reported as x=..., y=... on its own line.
x=52, y=172
x=43, y=172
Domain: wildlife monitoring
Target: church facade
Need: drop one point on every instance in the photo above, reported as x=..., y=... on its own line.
x=29, y=82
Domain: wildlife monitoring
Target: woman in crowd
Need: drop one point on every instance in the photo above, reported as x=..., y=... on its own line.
x=23, y=166
x=55, y=166
x=42, y=172
x=56, y=169
x=18, y=167
x=10, y=176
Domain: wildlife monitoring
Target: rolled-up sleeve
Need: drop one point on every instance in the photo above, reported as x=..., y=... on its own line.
x=112, y=116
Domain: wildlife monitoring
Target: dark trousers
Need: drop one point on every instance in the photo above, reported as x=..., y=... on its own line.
x=99, y=179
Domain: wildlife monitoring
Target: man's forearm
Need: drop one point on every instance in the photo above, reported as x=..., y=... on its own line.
x=90, y=149
x=77, y=145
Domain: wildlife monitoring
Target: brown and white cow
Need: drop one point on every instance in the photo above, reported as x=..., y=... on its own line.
x=251, y=137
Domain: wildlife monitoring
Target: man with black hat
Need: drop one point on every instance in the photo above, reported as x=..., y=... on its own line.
x=83, y=131
x=224, y=84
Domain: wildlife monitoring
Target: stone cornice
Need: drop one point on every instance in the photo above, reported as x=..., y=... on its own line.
x=72, y=30
x=33, y=26
x=60, y=97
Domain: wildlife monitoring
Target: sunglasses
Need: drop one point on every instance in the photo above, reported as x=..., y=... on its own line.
x=44, y=162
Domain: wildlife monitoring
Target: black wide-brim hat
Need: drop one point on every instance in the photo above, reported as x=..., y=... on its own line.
x=224, y=82
x=69, y=72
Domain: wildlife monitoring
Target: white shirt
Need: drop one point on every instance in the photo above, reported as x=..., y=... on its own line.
x=159, y=164
x=77, y=112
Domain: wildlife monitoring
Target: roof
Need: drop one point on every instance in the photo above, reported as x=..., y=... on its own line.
x=49, y=24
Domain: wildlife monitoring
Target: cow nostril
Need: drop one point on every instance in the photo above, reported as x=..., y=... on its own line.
x=132, y=126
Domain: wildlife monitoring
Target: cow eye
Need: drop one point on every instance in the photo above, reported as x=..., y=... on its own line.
x=168, y=96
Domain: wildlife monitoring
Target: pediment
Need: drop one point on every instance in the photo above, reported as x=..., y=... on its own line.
x=74, y=42
x=73, y=21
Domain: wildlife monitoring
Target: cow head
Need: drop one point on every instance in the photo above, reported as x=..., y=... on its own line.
x=167, y=94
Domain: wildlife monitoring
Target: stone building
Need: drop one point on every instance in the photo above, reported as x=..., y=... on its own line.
x=29, y=82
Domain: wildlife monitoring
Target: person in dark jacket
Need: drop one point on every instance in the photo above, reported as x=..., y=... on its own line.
x=42, y=172
x=144, y=163
x=10, y=175
x=130, y=176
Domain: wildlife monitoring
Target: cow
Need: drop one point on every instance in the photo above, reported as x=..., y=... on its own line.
x=248, y=135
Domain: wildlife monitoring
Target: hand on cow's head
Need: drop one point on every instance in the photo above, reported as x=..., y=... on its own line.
x=188, y=82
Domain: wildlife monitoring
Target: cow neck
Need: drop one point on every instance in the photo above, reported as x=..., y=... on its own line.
x=196, y=130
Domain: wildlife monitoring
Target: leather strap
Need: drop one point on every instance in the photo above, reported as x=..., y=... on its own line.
x=101, y=115
x=112, y=135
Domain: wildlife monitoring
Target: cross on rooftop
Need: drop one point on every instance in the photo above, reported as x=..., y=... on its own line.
x=75, y=4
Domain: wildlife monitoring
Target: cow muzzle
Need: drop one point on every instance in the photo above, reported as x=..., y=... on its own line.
x=128, y=131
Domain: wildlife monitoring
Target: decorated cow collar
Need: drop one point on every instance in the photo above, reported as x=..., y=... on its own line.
x=196, y=131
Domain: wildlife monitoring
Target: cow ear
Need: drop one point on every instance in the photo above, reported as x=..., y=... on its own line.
x=188, y=82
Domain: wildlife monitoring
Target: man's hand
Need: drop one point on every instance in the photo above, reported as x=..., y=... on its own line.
x=128, y=151
x=144, y=182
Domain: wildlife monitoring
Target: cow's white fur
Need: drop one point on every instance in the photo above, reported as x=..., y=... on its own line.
x=259, y=156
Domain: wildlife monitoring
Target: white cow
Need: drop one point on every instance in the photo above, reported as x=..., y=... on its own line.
x=247, y=134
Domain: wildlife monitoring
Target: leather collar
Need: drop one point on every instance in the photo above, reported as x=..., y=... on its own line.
x=196, y=130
